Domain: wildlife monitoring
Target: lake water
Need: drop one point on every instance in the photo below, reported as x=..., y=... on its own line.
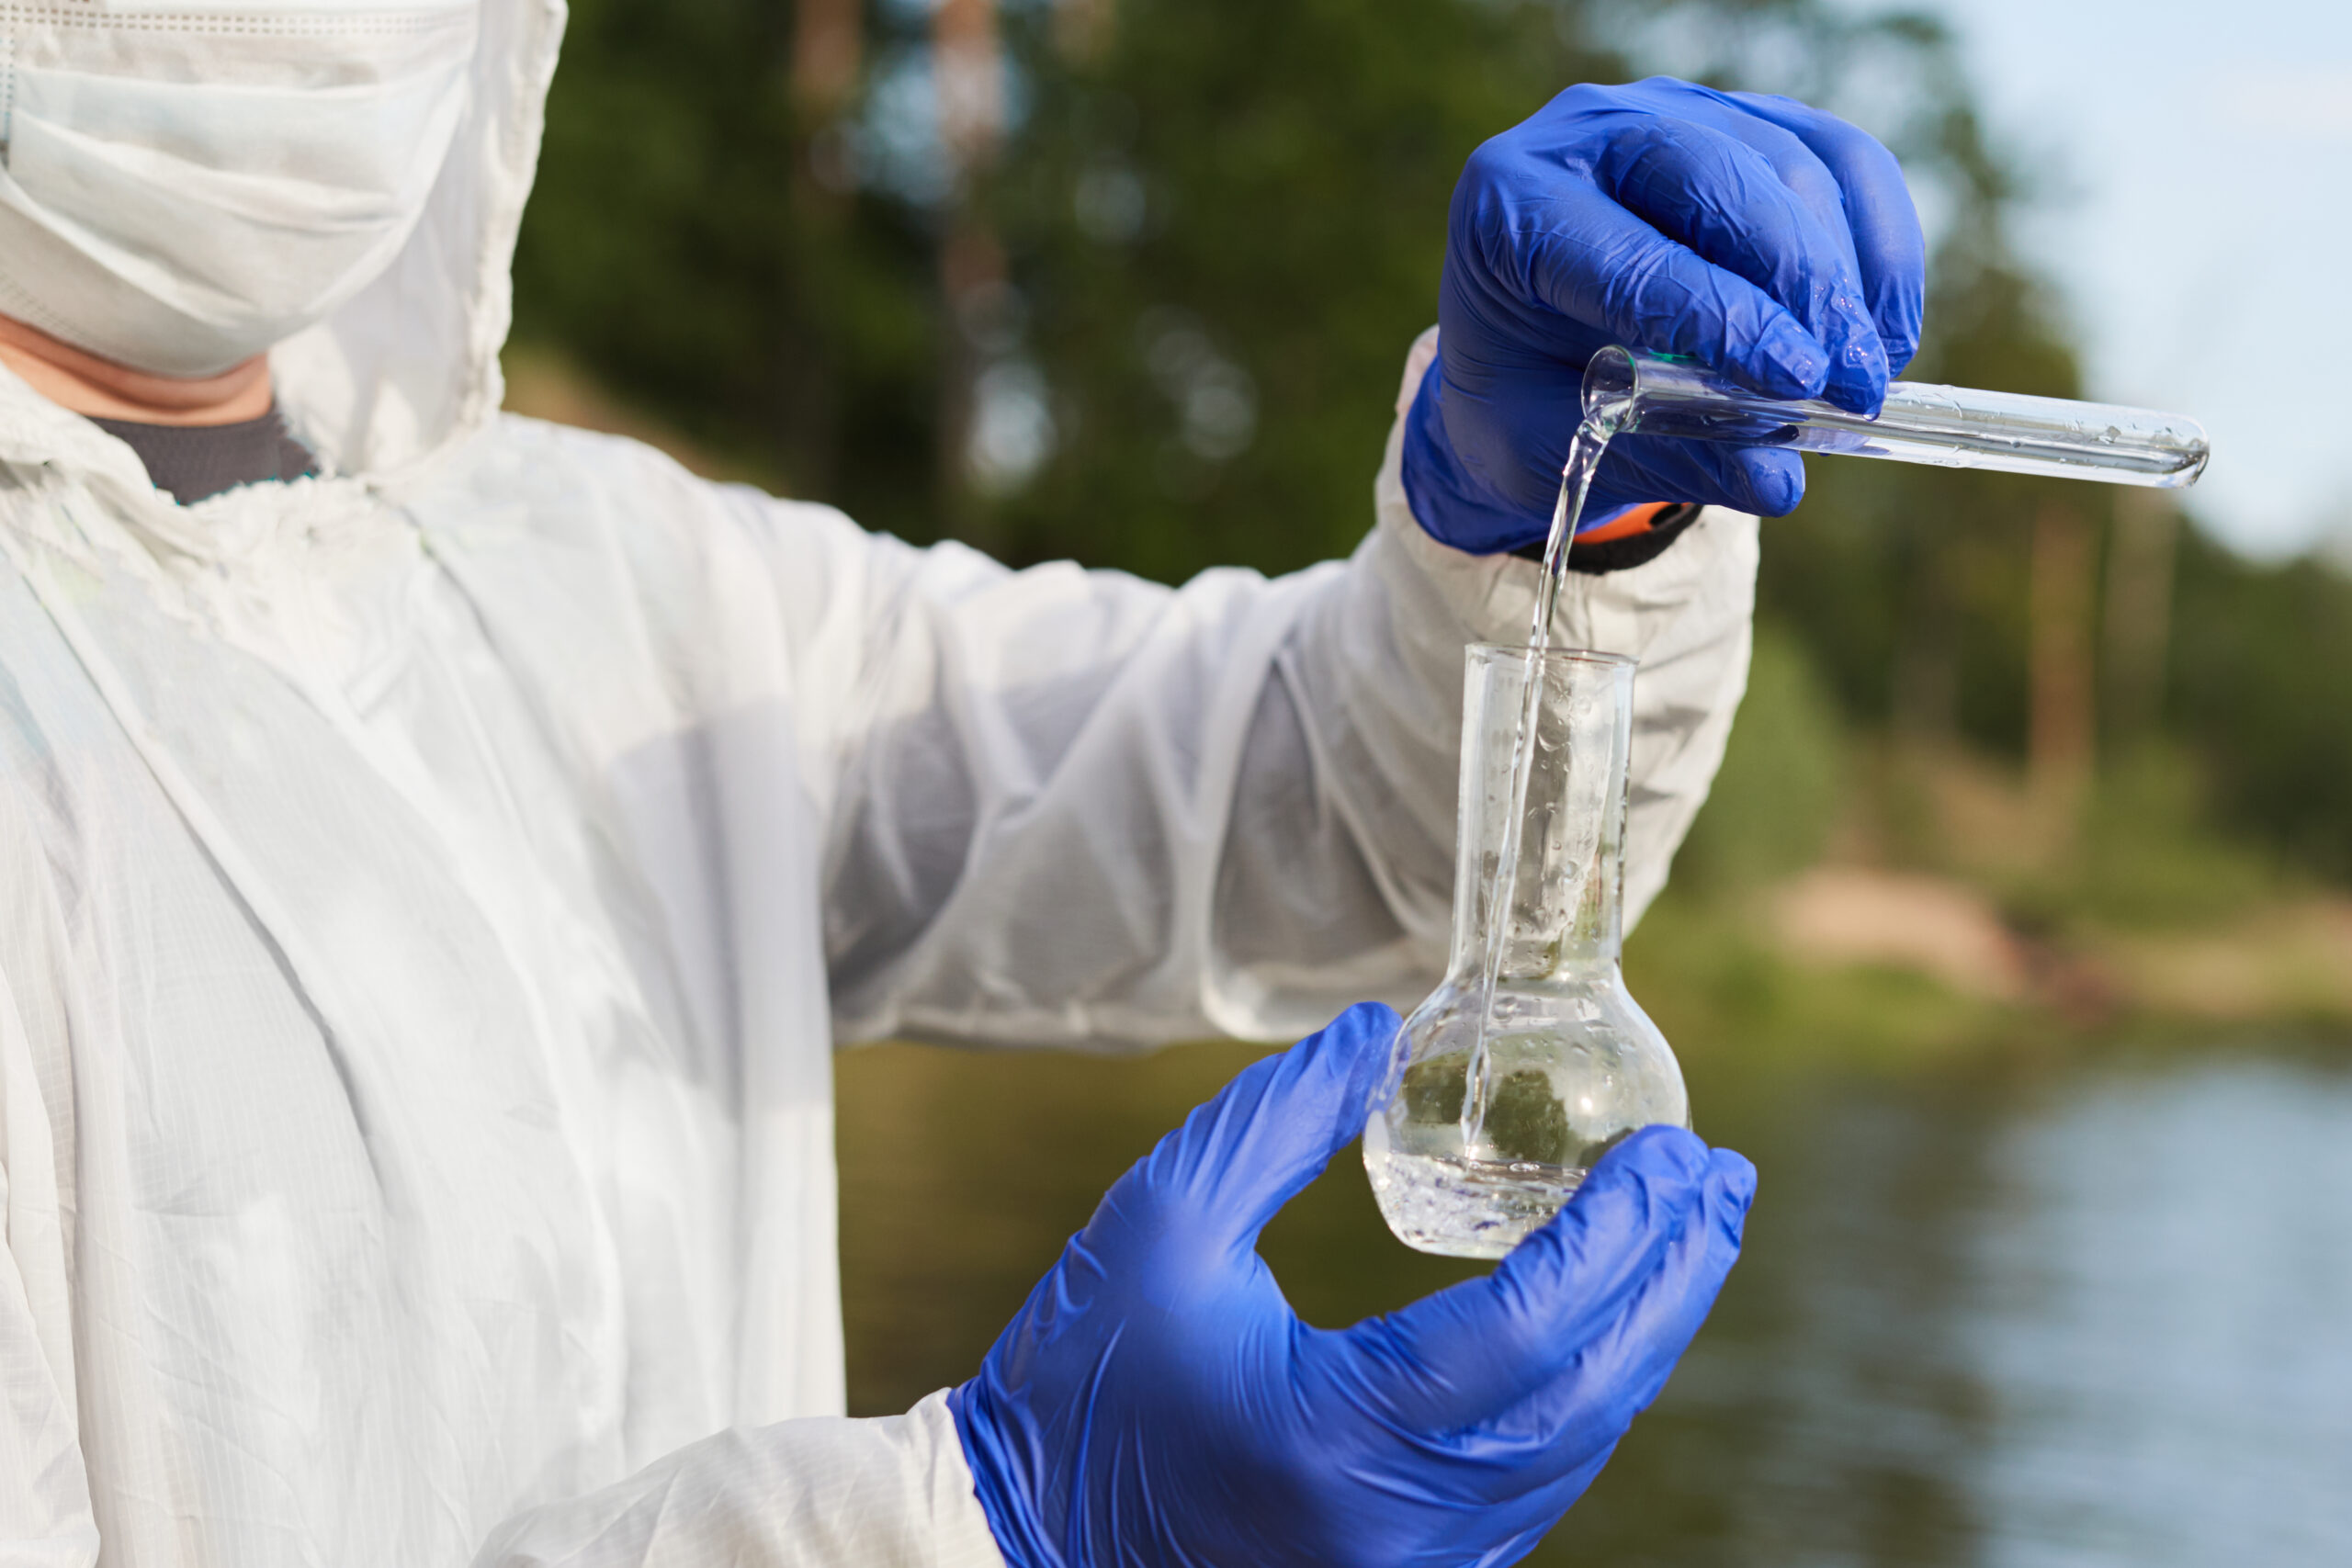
x=2032, y=1310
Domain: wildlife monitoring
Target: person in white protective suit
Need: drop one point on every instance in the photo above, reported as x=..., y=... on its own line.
x=440, y=853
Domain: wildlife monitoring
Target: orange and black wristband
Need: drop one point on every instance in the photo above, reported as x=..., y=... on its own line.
x=1634, y=537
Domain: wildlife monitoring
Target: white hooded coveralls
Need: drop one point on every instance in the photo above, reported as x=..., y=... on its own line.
x=430, y=895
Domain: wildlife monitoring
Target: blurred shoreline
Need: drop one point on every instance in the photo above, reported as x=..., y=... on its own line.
x=1853, y=965
x=2288, y=960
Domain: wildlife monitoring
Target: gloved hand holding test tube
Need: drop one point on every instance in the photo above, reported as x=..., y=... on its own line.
x=1631, y=393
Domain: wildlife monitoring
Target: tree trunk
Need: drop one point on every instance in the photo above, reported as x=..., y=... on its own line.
x=1082, y=28
x=969, y=70
x=2060, y=741
x=828, y=43
x=828, y=52
x=2139, y=611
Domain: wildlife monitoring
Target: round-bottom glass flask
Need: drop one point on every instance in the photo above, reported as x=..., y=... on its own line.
x=1530, y=1058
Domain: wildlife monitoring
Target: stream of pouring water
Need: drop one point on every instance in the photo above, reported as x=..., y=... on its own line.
x=1576, y=480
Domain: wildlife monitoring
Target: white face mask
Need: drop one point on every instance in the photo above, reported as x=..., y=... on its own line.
x=180, y=189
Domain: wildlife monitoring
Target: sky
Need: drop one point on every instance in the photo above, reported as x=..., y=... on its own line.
x=2195, y=160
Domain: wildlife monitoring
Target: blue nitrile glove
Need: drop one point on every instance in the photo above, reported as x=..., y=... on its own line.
x=1158, y=1401
x=1774, y=243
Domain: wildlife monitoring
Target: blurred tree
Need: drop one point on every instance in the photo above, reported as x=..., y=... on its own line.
x=2261, y=682
x=1780, y=790
x=2060, y=735
x=701, y=240
x=1214, y=228
x=1227, y=226
x=1185, y=268
x=1911, y=585
x=2138, y=621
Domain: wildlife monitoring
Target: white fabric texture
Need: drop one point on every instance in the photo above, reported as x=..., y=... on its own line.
x=183, y=189
x=430, y=896
x=809, y=1494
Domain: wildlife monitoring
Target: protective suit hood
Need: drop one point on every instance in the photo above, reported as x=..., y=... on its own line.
x=402, y=367
x=410, y=365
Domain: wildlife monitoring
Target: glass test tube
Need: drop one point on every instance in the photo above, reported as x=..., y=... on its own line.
x=1951, y=427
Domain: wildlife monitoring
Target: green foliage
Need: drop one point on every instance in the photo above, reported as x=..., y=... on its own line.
x=1221, y=229
x=1784, y=779
x=1908, y=585
x=2262, y=686
x=2152, y=855
x=1294, y=165
x=678, y=246
x=1218, y=232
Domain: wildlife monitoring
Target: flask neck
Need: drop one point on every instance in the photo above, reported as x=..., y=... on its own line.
x=1566, y=930
x=1555, y=805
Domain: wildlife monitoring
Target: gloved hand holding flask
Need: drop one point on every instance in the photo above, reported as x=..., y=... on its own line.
x=1157, y=1401
x=1773, y=243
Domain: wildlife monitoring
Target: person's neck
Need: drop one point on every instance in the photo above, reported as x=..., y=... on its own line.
x=100, y=388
